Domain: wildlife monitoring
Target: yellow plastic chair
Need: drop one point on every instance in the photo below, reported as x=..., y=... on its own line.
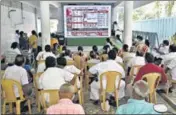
x=134, y=71
x=104, y=57
x=153, y=80
x=70, y=62
x=37, y=90
x=77, y=60
x=111, y=78
x=88, y=66
x=49, y=98
x=79, y=91
x=8, y=88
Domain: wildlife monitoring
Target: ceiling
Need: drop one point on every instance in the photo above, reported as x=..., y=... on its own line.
x=55, y=4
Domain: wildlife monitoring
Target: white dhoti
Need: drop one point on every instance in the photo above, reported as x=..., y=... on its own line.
x=95, y=87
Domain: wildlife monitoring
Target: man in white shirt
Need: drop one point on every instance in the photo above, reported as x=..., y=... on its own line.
x=12, y=53
x=39, y=39
x=61, y=63
x=118, y=58
x=170, y=56
x=138, y=60
x=17, y=36
x=109, y=65
x=42, y=56
x=19, y=74
x=54, y=77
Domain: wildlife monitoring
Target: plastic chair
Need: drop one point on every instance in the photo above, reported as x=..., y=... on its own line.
x=153, y=80
x=103, y=57
x=8, y=88
x=70, y=62
x=88, y=66
x=49, y=98
x=79, y=91
x=111, y=78
x=77, y=60
x=37, y=90
x=134, y=71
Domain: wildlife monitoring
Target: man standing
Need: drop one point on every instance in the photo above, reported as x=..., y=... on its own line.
x=17, y=36
x=33, y=42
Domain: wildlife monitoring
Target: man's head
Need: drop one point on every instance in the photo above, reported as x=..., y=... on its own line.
x=21, y=33
x=141, y=54
x=52, y=35
x=116, y=50
x=19, y=60
x=50, y=62
x=107, y=40
x=94, y=48
x=166, y=43
x=149, y=58
x=48, y=48
x=140, y=38
x=67, y=53
x=172, y=48
x=40, y=34
x=80, y=48
x=147, y=43
x=33, y=32
x=112, y=55
x=106, y=49
x=17, y=31
x=140, y=90
x=61, y=61
x=14, y=45
x=66, y=91
x=125, y=48
x=92, y=55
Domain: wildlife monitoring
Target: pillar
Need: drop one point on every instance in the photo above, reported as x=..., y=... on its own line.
x=60, y=26
x=45, y=22
x=128, y=12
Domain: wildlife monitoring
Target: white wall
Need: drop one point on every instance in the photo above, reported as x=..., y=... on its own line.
x=9, y=25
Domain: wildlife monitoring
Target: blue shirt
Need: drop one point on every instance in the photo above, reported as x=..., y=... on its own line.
x=134, y=106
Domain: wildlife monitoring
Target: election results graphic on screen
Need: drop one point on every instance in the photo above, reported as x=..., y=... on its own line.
x=87, y=21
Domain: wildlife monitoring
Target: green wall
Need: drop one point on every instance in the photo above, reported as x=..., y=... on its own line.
x=85, y=41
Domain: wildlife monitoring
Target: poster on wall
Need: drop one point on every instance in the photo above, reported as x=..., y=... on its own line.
x=87, y=21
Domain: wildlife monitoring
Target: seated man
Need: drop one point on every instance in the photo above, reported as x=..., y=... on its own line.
x=68, y=55
x=150, y=68
x=61, y=63
x=138, y=105
x=109, y=65
x=19, y=74
x=163, y=48
x=138, y=60
x=170, y=56
x=172, y=73
x=65, y=104
x=118, y=58
x=44, y=55
x=93, y=58
x=54, y=77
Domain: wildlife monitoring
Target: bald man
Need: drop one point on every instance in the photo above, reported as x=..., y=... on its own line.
x=138, y=105
x=65, y=104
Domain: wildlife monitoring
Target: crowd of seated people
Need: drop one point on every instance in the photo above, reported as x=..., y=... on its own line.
x=58, y=75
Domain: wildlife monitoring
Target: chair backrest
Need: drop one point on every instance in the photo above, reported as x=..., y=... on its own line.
x=153, y=80
x=8, y=89
x=49, y=97
x=70, y=62
x=104, y=57
x=111, y=78
x=134, y=70
x=36, y=79
x=77, y=60
x=40, y=61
